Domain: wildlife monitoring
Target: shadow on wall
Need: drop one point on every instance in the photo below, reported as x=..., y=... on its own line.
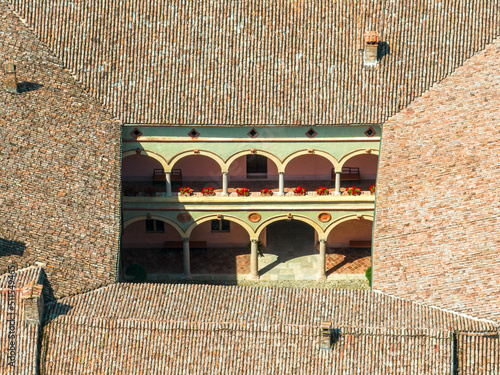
x=8, y=248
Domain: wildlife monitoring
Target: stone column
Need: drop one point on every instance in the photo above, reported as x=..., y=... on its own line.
x=168, y=183
x=224, y=184
x=322, y=259
x=187, y=266
x=254, y=259
x=281, y=184
x=337, y=183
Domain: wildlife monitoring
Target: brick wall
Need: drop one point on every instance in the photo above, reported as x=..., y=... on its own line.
x=59, y=170
x=437, y=228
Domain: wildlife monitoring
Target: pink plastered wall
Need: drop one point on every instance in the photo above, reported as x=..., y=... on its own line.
x=238, y=169
x=367, y=165
x=309, y=165
x=352, y=230
x=263, y=237
x=139, y=167
x=237, y=237
x=199, y=167
x=135, y=236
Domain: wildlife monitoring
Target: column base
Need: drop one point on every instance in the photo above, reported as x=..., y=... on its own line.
x=321, y=277
x=254, y=277
x=188, y=276
x=337, y=193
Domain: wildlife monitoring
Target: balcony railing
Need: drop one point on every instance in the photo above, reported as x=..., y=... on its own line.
x=251, y=194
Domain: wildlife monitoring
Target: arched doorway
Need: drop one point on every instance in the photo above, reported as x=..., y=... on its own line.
x=290, y=251
x=349, y=247
x=152, y=245
x=220, y=247
x=140, y=174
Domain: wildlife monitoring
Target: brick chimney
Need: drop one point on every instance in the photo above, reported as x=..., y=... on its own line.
x=10, y=78
x=371, y=48
x=32, y=301
x=325, y=335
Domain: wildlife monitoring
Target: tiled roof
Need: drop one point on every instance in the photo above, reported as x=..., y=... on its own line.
x=25, y=336
x=201, y=329
x=437, y=228
x=254, y=62
x=59, y=169
x=22, y=277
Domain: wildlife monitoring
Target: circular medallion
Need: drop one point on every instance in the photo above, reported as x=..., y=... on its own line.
x=254, y=217
x=324, y=217
x=184, y=217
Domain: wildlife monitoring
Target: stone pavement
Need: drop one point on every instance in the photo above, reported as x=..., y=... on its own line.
x=290, y=256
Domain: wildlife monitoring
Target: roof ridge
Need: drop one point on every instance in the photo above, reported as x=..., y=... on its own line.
x=494, y=323
x=256, y=327
x=436, y=83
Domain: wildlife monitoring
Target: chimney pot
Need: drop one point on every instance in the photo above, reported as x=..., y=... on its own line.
x=371, y=48
x=325, y=335
x=10, y=78
x=32, y=298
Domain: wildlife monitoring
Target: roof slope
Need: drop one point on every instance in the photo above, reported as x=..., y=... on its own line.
x=437, y=227
x=254, y=62
x=59, y=169
x=201, y=329
x=14, y=331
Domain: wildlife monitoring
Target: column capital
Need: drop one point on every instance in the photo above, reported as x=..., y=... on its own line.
x=226, y=172
x=185, y=239
x=322, y=240
x=254, y=240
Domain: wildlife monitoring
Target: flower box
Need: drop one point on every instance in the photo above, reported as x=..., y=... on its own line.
x=130, y=191
x=322, y=190
x=353, y=190
x=150, y=191
x=208, y=191
x=266, y=192
x=185, y=191
x=243, y=192
x=299, y=190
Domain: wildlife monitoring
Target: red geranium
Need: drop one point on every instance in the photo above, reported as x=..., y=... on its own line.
x=266, y=191
x=322, y=190
x=207, y=191
x=299, y=190
x=185, y=190
x=353, y=190
x=244, y=192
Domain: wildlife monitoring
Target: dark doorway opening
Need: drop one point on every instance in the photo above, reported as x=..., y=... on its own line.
x=256, y=166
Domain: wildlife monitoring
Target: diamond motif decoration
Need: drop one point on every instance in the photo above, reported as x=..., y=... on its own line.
x=194, y=134
x=370, y=132
x=253, y=133
x=311, y=133
x=136, y=133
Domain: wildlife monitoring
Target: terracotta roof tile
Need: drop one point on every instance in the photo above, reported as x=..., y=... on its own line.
x=201, y=329
x=437, y=230
x=14, y=331
x=254, y=62
x=59, y=169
